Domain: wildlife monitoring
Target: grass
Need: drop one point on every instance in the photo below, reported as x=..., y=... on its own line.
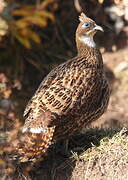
x=108, y=160
x=107, y=145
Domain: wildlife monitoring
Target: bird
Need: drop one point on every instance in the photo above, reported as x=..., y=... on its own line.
x=70, y=97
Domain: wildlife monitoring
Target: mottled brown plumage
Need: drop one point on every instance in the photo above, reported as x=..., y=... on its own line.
x=71, y=96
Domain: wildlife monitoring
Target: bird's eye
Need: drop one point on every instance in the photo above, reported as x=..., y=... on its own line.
x=85, y=25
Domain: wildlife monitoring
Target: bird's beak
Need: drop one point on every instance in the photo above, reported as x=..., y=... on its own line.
x=98, y=28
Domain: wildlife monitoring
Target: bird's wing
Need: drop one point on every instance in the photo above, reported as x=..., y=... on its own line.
x=60, y=93
x=55, y=92
x=37, y=134
x=44, y=85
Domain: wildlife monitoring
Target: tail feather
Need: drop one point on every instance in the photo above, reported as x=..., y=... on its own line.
x=34, y=146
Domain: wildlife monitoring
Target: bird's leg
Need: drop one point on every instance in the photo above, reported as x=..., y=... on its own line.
x=64, y=150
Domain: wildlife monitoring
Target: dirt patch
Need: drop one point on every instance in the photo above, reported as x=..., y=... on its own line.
x=105, y=162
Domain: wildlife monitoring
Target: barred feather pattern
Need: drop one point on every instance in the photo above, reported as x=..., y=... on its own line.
x=33, y=145
x=72, y=95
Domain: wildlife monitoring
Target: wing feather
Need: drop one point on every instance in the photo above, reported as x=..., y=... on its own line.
x=44, y=85
x=52, y=78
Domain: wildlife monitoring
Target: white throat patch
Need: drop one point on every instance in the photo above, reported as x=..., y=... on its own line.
x=88, y=41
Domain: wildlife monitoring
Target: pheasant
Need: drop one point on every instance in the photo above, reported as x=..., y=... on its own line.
x=70, y=97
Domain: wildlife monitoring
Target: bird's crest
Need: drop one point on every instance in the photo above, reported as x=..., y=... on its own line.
x=82, y=17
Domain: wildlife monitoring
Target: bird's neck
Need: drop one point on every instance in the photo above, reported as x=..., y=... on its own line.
x=84, y=44
x=89, y=51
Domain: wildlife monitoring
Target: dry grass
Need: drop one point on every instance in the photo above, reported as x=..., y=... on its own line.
x=107, y=161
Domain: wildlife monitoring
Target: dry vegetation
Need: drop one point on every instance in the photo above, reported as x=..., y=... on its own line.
x=107, y=161
x=29, y=37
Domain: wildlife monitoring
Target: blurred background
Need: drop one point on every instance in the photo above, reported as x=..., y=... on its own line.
x=37, y=35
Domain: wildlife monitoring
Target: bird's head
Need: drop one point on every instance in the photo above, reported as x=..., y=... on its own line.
x=86, y=30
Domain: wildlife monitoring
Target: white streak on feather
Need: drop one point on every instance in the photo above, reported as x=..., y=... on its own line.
x=35, y=130
x=88, y=41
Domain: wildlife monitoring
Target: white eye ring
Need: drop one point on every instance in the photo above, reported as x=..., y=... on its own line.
x=85, y=25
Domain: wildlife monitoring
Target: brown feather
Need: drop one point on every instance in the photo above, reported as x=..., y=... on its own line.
x=32, y=145
x=72, y=95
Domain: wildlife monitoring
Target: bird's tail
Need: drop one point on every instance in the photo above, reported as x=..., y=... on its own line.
x=33, y=146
